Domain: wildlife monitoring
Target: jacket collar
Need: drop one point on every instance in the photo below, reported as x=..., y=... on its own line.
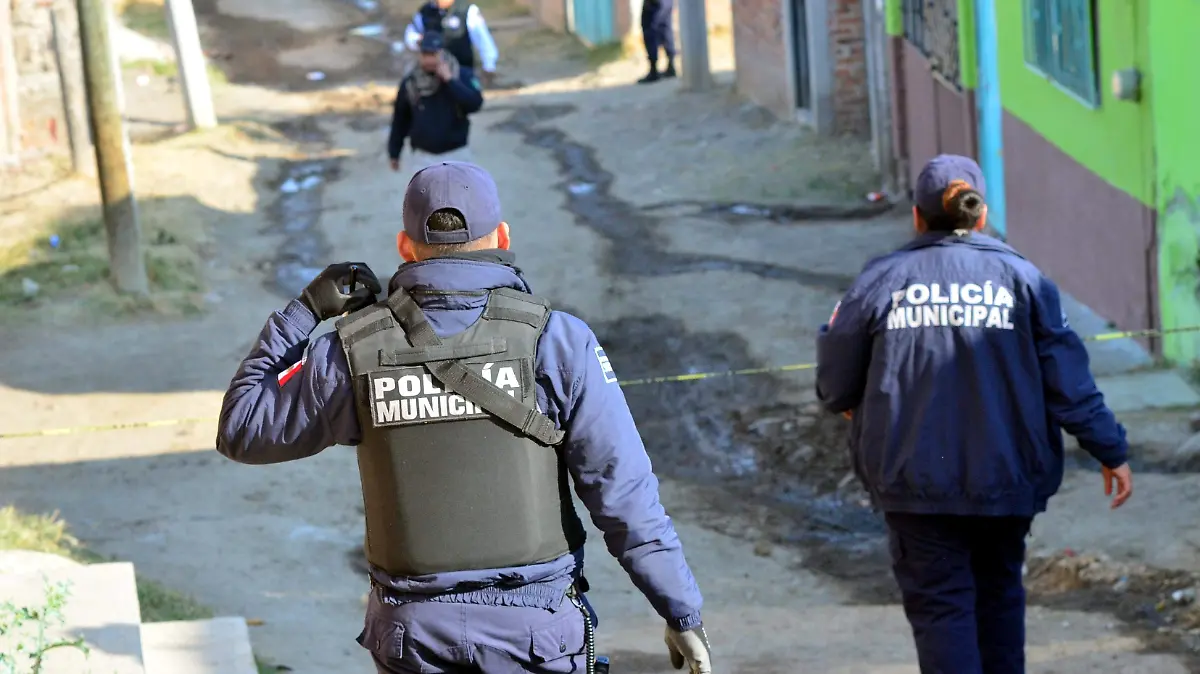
x=459, y=281
x=972, y=239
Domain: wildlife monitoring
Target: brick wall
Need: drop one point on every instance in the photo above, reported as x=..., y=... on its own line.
x=763, y=64
x=764, y=67
x=851, y=104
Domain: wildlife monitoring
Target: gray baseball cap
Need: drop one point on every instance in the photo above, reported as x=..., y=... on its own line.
x=461, y=186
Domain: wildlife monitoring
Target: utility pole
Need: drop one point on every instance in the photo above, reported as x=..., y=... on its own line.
x=693, y=29
x=875, y=40
x=112, y=151
x=74, y=94
x=193, y=72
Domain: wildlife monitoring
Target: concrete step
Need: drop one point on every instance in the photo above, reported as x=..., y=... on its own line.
x=101, y=607
x=217, y=646
x=1151, y=389
x=1109, y=357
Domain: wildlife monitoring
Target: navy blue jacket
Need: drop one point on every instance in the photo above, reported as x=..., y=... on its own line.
x=956, y=358
x=266, y=421
x=437, y=123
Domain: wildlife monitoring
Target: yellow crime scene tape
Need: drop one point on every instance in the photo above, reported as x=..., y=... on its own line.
x=697, y=376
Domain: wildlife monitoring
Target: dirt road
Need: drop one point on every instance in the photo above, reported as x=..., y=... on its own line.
x=619, y=197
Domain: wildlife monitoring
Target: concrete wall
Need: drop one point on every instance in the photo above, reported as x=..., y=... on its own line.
x=550, y=13
x=765, y=63
x=764, y=66
x=1174, y=99
x=43, y=124
x=1080, y=179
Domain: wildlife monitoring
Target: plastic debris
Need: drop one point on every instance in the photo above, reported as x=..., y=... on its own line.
x=369, y=30
x=875, y=197
x=289, y=186
x=1121, y=585
x=54, y=241
x=742, y=209
x=315, y=76
x=1183, y=597
x=367, y=5
x=310, y=182
x=29, y=287
x=579, y=189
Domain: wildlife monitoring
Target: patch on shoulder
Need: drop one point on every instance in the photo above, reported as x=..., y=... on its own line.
x=1066, y=323
x=606, y=368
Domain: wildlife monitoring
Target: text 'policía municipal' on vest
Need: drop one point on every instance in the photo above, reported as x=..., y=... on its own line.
x=412, y=396
x=459, y=466
x=953, y=305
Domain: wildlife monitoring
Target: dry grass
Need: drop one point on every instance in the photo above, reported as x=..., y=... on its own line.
x=147, y=17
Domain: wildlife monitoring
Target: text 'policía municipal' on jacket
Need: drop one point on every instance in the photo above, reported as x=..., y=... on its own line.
x=957, y=360
x=293, y=397
x=439, y=122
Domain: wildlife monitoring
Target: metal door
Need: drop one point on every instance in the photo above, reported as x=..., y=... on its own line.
x=592, y=20
x=800, y=61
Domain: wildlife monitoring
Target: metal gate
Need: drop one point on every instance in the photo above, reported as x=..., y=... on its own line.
x=591, y=20
x=939, y=115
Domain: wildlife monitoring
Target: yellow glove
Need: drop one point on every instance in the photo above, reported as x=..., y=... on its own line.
x=690, y=647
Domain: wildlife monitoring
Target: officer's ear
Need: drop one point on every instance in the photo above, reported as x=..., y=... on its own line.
x=918, y=222
x=502, y=236
x=405, y=247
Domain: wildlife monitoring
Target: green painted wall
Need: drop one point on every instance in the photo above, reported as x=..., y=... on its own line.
x=1113, y=139
x=1175, y=100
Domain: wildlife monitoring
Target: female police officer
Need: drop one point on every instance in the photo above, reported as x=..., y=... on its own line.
x=954, y=357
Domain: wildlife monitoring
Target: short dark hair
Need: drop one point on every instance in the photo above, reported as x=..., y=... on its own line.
x=445, y=220
x=962, y=206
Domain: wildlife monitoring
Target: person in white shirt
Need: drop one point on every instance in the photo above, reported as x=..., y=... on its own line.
x=464, y=30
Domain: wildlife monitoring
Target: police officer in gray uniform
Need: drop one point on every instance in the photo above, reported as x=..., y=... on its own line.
x=474, y=408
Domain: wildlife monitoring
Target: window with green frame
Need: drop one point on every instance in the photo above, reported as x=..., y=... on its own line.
x=1060, y=42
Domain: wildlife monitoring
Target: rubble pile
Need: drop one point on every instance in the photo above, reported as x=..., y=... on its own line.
x=1156, y=601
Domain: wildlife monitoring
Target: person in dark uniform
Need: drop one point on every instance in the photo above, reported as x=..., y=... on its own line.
x=474, y=408
x=658, y=33
x=433, y=108
x=955, y=360
x=465, y=30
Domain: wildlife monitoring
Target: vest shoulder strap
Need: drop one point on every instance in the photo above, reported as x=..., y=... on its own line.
x=506, y=304
x=364, y=323
x=463, y=381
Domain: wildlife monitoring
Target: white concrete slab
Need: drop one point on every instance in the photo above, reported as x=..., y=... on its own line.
x=102, y=607
x=24, y=562
x=217, y=646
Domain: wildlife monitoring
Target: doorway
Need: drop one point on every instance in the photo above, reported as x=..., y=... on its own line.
x=800, y=55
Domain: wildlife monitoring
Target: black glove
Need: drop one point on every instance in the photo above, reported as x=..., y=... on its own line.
x=326, y=295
